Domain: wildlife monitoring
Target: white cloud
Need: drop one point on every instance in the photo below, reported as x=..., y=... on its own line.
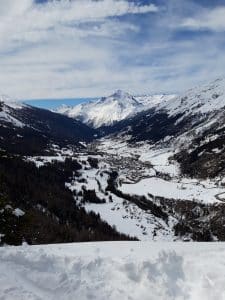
x=89, y=48
x=26, y=21
x=211, y=19
x=59, y=48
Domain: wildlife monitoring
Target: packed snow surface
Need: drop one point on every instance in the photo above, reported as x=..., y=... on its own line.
x=113, y=270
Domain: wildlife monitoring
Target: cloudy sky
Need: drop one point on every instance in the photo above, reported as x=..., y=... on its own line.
x=89, y=48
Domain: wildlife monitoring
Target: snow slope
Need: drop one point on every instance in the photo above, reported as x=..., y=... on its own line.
x=151, y=101
x=7, y=107
x=108, y=110
x=118, y=270
x=202, y=99
x=194, y=112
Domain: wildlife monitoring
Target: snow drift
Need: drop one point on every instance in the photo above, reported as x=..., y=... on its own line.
x=127, y=270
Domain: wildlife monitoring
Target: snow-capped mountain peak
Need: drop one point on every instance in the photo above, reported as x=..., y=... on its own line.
x=120, y=93
x=108, y=110
x=122, y=98
x=104, y=111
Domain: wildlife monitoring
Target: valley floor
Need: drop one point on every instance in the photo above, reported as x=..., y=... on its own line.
x=142, y=171
x=113, y=270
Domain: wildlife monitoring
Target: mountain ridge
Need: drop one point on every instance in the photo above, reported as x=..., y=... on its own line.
x=192, y=124
x=27, y=129
x=108, y=110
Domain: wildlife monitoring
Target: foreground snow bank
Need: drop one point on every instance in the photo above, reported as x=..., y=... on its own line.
x=119, y=270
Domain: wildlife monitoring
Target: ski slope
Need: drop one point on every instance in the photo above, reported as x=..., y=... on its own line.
x=113, y=270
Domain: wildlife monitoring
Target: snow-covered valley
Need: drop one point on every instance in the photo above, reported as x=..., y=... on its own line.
x=112, y=150
x=143, y=171
x=157, y=174
x=136, y=188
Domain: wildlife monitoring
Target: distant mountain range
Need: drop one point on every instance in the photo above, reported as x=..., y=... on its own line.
x=109, y=110
x=192, y=122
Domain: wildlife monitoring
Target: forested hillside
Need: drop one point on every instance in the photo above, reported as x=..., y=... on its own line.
x=36, y=207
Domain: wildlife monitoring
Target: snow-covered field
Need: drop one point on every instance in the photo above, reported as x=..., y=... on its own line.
x=176, y=188
x=113, y=270
x=130, y=219
x=127, y=217
x=183, y=189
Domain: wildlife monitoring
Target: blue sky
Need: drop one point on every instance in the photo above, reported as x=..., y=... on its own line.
x=86, y=48
x=56, y=103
